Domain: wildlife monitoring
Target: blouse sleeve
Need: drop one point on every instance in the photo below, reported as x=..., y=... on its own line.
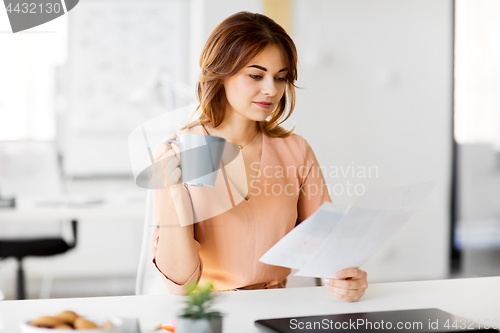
x=313, y=189
x=172, y=287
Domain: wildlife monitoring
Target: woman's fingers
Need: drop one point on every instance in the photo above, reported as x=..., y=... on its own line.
x=164, y=147
x=163, y=150
x=344, y=292
x=172, y=136
x=174, y=177
x=354, y=273
x=346, y=295
x=170, y=170
x=169, y=161
x=348, y=284
x=169, y=164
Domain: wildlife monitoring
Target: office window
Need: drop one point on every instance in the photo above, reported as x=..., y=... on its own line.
x=28, y=74
x=477, y=72
x=477, y=132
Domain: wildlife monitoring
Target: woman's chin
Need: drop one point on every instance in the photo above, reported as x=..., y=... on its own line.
x=261, y=118
x=256, y=115
x=260, y=115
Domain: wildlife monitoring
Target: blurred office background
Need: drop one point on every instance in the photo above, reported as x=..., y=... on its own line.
x=408, y=87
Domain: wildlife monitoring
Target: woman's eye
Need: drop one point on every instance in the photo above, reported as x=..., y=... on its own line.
x=258, y=77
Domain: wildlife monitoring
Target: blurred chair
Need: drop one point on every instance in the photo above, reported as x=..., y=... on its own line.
x=148, y=280
x=30, y=171
x=20, y=248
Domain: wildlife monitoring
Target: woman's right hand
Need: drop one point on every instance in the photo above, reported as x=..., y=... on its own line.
x=169, y=161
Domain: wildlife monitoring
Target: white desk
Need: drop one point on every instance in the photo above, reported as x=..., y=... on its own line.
x=103, y=229
x=30, y=211
x=477, y=299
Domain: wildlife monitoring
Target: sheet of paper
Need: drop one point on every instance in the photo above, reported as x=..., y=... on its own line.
x=329, y=240
x=297, y=247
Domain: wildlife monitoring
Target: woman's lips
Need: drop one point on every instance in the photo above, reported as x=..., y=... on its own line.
x=263, y=105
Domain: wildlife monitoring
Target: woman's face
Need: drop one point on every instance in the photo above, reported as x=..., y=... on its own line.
x=263, y=79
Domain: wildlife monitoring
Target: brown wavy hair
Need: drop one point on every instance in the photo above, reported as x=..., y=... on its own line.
x=231, y=45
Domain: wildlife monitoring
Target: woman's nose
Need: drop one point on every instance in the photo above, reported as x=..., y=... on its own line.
x=269, y=88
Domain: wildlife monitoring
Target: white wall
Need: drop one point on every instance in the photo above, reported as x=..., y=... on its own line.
x=378, y=91
x=204, y=17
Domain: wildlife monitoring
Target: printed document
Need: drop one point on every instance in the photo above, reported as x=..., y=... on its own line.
x=335, y=237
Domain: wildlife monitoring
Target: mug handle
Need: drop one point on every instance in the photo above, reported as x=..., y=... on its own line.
x=177, y=143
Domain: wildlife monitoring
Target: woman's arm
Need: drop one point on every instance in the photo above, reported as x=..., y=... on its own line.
x=174, y=246
x=176, y=249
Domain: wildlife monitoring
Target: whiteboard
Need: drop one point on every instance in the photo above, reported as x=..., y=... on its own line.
x=115, y=46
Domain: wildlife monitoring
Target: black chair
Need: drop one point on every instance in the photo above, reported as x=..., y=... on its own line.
x=42, y=247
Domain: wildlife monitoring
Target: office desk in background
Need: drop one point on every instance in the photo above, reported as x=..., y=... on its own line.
x=43, y=210
x=109, y=240
x=476, y=299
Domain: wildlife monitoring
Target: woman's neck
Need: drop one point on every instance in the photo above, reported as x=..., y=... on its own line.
x=237, y=129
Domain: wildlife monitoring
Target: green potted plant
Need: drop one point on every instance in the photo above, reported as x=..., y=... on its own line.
x=197, y=315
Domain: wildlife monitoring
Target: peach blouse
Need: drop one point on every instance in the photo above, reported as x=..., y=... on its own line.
x=289, y=187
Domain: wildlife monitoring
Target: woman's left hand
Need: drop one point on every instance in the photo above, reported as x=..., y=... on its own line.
x=348, y=285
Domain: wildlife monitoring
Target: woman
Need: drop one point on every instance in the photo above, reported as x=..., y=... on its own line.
x=245, y=90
